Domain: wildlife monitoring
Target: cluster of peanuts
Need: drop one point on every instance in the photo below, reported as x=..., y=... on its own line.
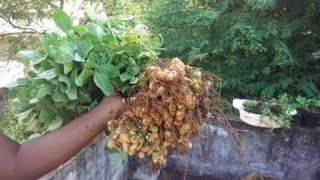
x=162, y=117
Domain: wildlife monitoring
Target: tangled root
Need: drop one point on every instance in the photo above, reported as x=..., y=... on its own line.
x=169, y=109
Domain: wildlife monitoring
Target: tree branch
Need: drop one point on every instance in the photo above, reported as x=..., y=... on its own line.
x=22, y=32
x=61, y=4
x=9, y=21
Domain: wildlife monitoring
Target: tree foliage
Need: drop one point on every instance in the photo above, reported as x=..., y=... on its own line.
x=259, y=47
x=21, y=13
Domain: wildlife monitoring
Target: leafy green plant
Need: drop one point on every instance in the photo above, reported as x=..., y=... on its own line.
x=308, y=104
x=277, y=109
x=79, y=64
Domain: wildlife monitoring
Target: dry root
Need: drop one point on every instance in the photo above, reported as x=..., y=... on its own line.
x=169, y=109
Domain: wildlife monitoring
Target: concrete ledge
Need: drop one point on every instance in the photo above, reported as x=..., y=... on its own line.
x=292, y=154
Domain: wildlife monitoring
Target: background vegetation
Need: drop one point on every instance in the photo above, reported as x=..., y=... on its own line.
x=261, y=48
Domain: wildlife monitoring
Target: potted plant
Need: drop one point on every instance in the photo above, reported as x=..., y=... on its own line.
x=272, y=114
x=310, y=114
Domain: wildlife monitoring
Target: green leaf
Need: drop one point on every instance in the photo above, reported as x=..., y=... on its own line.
x=65, y=79
x=80, y=30
x=23, y=81
x=72, y=93
x=133, y=70
x=55, y=123
x=47, y=104
x=110, y=40
x=30, y=57
x=62, y=20
x=126, y=76
x=48, y=42
x=48, y=75
x=133, y=50
x=103, y=82
x=44, y=90
x=95, y=29
x=66, y=52
x=83, y=48
x=46, y=116
x=83, y=77
x=110, y=70
x=58, y=96
x=84, y=96
x=67, y=67
x=91, y=61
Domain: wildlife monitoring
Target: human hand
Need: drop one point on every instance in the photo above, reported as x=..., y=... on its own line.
x=113, y=105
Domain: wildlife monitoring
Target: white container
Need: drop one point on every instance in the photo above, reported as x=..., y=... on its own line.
x=257, y=119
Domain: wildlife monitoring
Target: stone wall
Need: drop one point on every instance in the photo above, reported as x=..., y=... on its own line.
x=293, y=154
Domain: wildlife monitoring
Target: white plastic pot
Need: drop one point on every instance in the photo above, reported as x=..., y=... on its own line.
x=257, y=119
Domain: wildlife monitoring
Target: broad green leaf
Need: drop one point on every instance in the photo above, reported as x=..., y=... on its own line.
x=48, y=75
x=58, y=96
x=55, y=123
x=83, y=48
x=46, y=116
x=91, y=61
x=110, y=41
x=83, y=77
x=103, y=82
x=26, y=55
x=62, y=20
x=30, y=57
x=23, y=81
x=72, y=93
x=44, y=90
x=91, y=37
x=74, y=74
x=66, y=51
x=67, y=67
x=84, y=96
x=47, y=104
x=110, y=70
x=133, y=50
x=48, y=42
x=80, y=30
x=133, y=70
x=126, y=76
x=95, y=29
x=65, y=79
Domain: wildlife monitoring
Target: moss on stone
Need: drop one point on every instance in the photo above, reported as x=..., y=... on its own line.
x=9, y=125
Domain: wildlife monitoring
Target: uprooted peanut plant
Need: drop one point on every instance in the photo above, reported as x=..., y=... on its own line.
x=77, y=65
x=170, y=108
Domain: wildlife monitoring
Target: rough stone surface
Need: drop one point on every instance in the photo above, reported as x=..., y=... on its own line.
x=94, y=164
x=293, y=154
